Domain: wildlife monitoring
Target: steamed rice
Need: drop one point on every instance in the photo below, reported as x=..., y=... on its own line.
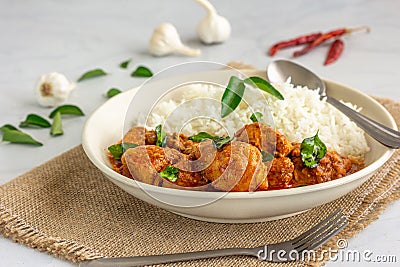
x=300, y=115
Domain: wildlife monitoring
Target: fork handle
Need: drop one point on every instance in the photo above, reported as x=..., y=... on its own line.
x=157, y=259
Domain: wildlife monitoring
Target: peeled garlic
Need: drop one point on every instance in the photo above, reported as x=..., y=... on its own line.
x=213, y=28
x=53, y=89
x=165, y=40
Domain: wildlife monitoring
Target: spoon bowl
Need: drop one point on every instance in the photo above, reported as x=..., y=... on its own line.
x=281, y=70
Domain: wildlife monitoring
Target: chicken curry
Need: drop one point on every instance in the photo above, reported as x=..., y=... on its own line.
x=258, y=158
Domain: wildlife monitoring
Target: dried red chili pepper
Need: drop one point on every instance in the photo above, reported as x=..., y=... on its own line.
x=334, y=52
x=326, y=36
x=304, y=39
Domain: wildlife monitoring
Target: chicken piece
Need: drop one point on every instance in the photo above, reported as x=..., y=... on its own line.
x=236, y=167
x=283, y=145
x=280, y=174
x=202, y=155
x=265, y=139
x=330, y=167
x=140, y=136
x=179, y=142
x=150, y=137
x=146, y=162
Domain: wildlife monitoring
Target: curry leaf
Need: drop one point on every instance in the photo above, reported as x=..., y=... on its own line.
x=312, y=150
x=35, y=120
x=256, y=117
x=126, y=146
x=219, y=142
x=170, y=173
x=201, y=136
x=92, y=74
x=56, y=127
x=13, y=135
x=232, y=96
x=6, y=127
x=113, y=92
x=125, y=64
x=118, y=149
x=161, y=136
x=265, y=86
x=67, y=109
x=234, y=92
x=142, y=71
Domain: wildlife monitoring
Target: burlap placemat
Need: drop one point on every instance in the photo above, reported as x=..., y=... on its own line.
x=68, y=208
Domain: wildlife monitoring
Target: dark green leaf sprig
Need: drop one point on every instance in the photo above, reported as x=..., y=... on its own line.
x=234, y=91
x=13, y=135
x=171, y=173
x=118, y=149
x=92, y=74
x=142, y=71
x=218, y=141
x=312, y=150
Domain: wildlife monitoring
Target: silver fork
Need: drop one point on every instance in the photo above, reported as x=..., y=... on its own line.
x=290, y=250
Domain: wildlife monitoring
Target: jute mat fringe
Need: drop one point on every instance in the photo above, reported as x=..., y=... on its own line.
x=18, y=230
x=67, y=208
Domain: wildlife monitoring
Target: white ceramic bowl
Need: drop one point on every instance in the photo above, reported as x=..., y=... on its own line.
x=105, y=127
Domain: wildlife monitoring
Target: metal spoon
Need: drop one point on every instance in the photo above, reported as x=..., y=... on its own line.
x=281, y=70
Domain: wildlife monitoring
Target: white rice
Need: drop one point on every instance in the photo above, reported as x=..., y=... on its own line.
x=300, y=115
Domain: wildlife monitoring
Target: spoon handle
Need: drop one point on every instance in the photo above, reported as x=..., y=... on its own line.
x=378, y=131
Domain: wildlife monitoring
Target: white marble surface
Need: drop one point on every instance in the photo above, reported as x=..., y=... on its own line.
x=74, y=36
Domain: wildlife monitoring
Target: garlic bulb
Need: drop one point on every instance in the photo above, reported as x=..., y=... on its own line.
x=213, y=28
x=165, y=40
x=52, y=89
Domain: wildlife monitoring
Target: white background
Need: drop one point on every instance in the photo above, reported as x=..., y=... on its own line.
x=72, y=37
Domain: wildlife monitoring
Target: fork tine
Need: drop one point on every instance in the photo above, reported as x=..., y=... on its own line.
x=323, y=235
x=316, y=227
x=326, y=239
x=320, y=230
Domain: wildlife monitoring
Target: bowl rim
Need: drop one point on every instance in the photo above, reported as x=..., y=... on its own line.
x=232, y=195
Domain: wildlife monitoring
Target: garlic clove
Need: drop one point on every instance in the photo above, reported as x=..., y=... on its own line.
x=53, y=89
x=166, y=40
x=213, y=28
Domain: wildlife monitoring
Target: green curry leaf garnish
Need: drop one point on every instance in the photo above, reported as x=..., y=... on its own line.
x=263, y=85
x=256, y=117
x=201, y=136
x=232, y=96
x=312, y=150
x=219, y=141
x=161, y=136
x=234, y=91
x=170, y=173
x=118, y=149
